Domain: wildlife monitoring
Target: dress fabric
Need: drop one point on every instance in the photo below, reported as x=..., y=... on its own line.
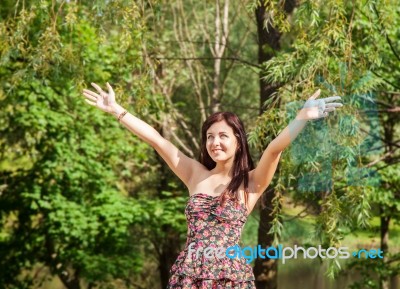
x=211, y=225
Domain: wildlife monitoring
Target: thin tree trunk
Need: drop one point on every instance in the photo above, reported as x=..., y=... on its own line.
x=266, y=270
x=221, y=35
x=385, y=222
x=268, y=44
x=168, y=246
x=70, y=282
x=169, y=253
x=385, y=213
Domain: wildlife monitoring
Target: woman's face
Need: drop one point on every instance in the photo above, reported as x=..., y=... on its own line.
x=221, y=142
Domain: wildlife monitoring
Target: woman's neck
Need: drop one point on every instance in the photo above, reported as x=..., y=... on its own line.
x=223, y=169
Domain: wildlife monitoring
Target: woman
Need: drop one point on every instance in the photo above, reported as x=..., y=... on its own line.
x=223, y=187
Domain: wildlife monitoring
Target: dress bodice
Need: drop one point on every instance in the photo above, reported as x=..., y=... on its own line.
x=212, y=225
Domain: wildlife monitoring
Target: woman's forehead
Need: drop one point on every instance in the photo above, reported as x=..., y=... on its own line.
x=219, y=127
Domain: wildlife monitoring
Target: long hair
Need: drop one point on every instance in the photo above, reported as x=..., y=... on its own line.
x=242, y=163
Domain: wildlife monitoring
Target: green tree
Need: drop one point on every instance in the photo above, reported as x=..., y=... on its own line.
x=335, y=44
x=64, y=165
x=200, y=66
x=376, y=34
x=270, y=30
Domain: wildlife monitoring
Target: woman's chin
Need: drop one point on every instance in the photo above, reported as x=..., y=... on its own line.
x=219, y=159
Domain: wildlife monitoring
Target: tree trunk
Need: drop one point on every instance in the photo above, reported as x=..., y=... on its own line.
x=268, y=43
x=70, y=280
x=266, y=270
x=169, y=245
x=169, y=253
x=70, y=284
x=385, y=222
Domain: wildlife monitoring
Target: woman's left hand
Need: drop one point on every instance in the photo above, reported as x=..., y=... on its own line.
x=319, y=108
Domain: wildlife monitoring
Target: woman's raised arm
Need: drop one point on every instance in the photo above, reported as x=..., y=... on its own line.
x=180, y=164
x=262, y=175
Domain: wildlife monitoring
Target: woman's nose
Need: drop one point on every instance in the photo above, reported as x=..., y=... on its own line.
x=216, y=141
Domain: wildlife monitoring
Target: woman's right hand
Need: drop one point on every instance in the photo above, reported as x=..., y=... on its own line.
x=105, y=101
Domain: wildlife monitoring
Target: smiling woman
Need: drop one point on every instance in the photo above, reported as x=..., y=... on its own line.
x=225, y=153
x=223, y=185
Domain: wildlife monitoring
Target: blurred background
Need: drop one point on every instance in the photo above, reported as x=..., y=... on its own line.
x=86, y=204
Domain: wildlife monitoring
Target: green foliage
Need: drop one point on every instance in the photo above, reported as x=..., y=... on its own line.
x=372, y=271
x=66, y=169
x=343, y=48
x=61, y=203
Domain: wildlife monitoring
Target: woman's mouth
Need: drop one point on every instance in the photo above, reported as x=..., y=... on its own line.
x=216, y=151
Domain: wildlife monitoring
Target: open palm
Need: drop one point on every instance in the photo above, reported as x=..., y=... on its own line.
x=101, y=99
x=318, y=108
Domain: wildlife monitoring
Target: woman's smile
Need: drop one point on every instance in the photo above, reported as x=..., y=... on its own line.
x=217, y=150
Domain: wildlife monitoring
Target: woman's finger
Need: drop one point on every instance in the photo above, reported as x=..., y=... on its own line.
x=110, y=90
x=329, y=109
x=316, y=94
x=89, y=96
x=91, y=102
x=335, y=104
x=332, y=98
x=98, y=88
x=94, y=94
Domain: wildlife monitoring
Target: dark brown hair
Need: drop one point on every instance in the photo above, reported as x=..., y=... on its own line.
x=242, y=162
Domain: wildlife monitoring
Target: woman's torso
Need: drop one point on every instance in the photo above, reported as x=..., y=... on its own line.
x=207, y=182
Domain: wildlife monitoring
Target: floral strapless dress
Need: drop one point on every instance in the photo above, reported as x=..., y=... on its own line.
x=210, y=225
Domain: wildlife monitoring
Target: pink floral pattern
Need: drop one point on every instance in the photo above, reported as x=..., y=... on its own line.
x=211, y=225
